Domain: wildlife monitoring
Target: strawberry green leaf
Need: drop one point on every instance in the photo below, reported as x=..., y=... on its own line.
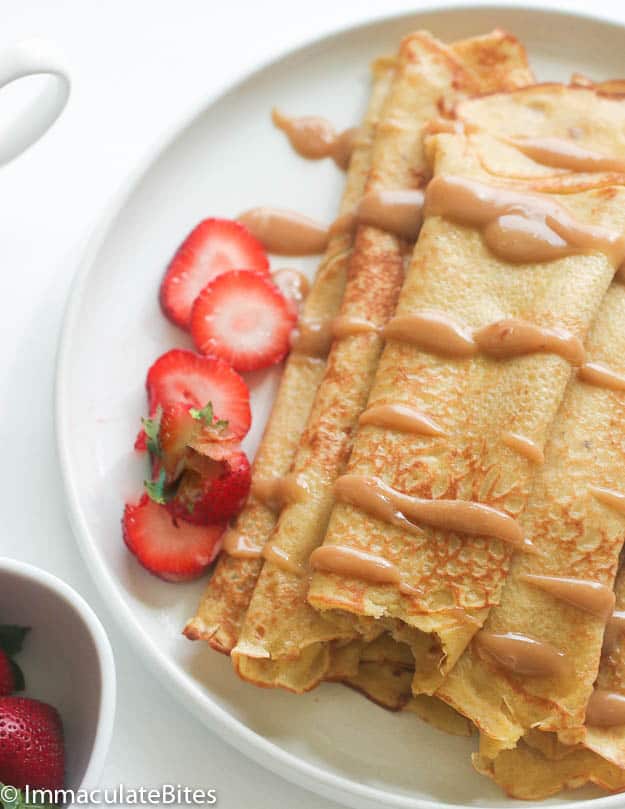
x=19, y=801
x=207, y=416
x=12, y=638
x=156, y=489
x=151, y=428
x=19, y=683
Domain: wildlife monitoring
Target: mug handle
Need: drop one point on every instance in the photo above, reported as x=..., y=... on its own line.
x=29, y=58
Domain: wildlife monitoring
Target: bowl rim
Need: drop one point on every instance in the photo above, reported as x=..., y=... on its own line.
x=290, y=766
x=104, y=656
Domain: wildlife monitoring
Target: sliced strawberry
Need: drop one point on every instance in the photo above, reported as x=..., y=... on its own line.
x=213, y=247
x=174, y=551
x=183, y=376
x=141, y=441
x=243, y=318
x=183, y=430
x=212, y=490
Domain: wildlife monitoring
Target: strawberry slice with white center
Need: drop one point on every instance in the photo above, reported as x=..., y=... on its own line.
x=213, y=247
x=172, y=549
x=184, y=377
x=243, y=318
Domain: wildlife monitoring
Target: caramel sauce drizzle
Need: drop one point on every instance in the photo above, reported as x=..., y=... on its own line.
x=589, y=596
x=293, y=284
x=524, y=446
x=560, y=153
x=315, y=337
x=440, y=334
x=518, y=226
x=522, y=654
x=285, y=233
x=377, y=499
x=605, y=709
x=240, y=547
x=282, y=559
x=397, y=211
x=614, y=631
x=400, y=417
x=347, y=561
x=595, y=373
x=609, y=497
x=277, y=492
x=350, y=325
x=432, y=331
x=513, y=338
x=314, y=138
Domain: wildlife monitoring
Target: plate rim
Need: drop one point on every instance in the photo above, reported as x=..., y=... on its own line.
x=261, y=750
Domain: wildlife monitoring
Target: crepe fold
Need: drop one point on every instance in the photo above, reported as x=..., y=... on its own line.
x=284, y=642
x=542, y=765
x=225, y=601
x=382, y=670
x=576, y=536
x=456, y=578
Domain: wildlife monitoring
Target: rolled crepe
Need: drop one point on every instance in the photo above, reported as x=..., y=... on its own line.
x=578, y=536
x=542, y=765
x=527, y=774
x=225, y=601
x=456, y=576
x=382, y=670
x=283, y=641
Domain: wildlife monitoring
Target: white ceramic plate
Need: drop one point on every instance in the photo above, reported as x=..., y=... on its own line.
x=225, y=160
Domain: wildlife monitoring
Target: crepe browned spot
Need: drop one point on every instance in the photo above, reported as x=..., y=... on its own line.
x=458, y=578
x=283, y=640
x=222, y=609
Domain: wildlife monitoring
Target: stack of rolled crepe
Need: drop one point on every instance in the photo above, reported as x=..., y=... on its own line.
x=444, y=452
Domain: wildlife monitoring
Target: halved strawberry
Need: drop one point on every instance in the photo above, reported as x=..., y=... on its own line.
x=174, y=551
x=184, y=431
x=211, y=489
x=183, y=376
x=213, y=247
x=243, y=318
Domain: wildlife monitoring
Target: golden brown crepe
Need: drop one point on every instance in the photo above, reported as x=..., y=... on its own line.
x=526, y=774
x=476, y=401
x=222, y=609
x=283, y=641
x=382, y=670
x=576, y=536
x=542, y=765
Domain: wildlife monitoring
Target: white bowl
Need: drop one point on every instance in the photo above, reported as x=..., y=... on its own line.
x=67, y=661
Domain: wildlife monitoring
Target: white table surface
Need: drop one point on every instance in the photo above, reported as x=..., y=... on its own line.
x=138, y=66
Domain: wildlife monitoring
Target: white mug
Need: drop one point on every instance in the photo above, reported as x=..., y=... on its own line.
x=30, y=58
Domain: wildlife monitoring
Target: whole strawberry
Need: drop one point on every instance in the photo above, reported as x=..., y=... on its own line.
x=7, y=675
x=31, y=744
x=11, y=641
